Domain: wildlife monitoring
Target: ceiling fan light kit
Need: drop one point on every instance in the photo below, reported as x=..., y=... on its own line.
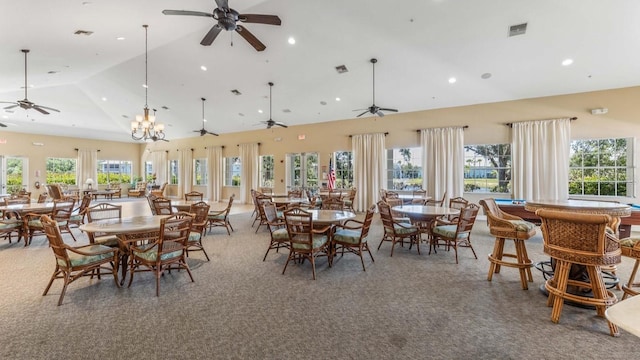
x=227, y=19
x=144, y=127
x=373, y=109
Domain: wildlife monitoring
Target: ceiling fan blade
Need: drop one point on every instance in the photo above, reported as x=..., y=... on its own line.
x=212, y=133
x=45, y=107
x=187, y=12
x=222, y=4
x=260, y=19
x=281, y=124
x=363, y=113
x=11, y=106
x=387, y=109
x=379, y=113
x=211, y=35
x=196, y=130
x=41, y=110
x=360, y=109
x=250, y=38
x=2, y=125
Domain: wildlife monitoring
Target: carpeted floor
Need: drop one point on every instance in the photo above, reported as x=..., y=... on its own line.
x=408, y=306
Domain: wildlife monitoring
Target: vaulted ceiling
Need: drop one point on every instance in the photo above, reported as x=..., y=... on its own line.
x=96, y=80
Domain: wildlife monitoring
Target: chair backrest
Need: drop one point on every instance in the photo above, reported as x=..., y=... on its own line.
x=193, y=196
x=579, y=238
x=299, y=226
x=54, y=190
x=271, y=216
x=366, y=223
x=391, y=195
x=437, y=202
x=199, y=211
x=54, y=236
x=394, y=202
x=419, y=193
x=266, y=190
x=228, y=209
x=457, y=203
x=84, y=204
x=352, y=194
x=42, y=198
x=150, y=199
x=141, y=186
x=174, y=233
x=466, y=219
x=332, y=203
x=162, y=206
x=294, y=194
x=104, y=211
x=62, y=209
x=494, y=214
x=17, y=200
x=385, y=215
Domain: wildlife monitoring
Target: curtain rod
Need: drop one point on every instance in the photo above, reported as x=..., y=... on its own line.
x=222, y=146
x=76, y=149
x=189, y=149
x=464, y=127
x=385, y=134
x=258, y=144
x=511, y=124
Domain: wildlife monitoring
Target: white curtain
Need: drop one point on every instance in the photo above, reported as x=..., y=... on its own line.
x=215, y=169
x=185, y=172
x=369, y=172
x=248, y=171
x=87, y=167
x=443, y=162
x=159, y=165
x=540, y=158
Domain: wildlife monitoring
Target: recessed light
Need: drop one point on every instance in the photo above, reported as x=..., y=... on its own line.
x=5, y=117
x=337, y=99
x=203, y=68
x=452, y=80
x=144, y=86
x=567, y=62
x=104, y=99
x=260, y=111
x=120, y=38
x=291, y=40
x=205, y=120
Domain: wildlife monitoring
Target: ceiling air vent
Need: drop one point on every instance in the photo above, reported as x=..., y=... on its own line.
x=236, y=92
x=83, y=32
x=286, y=110
x=341, y=69
x=515, y=30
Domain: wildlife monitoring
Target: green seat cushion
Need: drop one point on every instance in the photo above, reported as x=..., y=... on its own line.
x=280, y=234
x=8, y=224
x=522, y=225
x=76, y=217
x=216, y=217
x=404, y=229
x=348, y=236
x=107, y=240
x=348, y=202
x=449, y=231
x=152, y=255
x=80, y=260
x=194, y=236
x=404, y=220
x=318, y=241
x=35, y=223
x=629, y=242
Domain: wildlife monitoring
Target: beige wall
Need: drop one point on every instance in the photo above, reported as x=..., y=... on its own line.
x=485, y=121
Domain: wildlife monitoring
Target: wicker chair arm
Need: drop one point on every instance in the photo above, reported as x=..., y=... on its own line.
x=504, y=223
x=11, y=214
x=350, y=227
x=508, y=216
x=321, y=230
x=217, y=212
x=78, y=250
x=402, y=225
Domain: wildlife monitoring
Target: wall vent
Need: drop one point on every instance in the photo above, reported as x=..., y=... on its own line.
x=341, y=69
x=515, y=30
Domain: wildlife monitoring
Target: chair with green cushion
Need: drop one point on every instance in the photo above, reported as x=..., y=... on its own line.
x=397, y=230
x=194, y=196
x=277, y=228
x=200, y=213
x=306, y=240
x=75, y=262
x=351, y=198
x=162, y=206
x=221, y=217
x=506, y=226
x=78, y=215
x=61, y=213
x=167, y=252
x=11, y=223
x=352, y=236
x=103, y=212
x=631, y=248
x=455, y=235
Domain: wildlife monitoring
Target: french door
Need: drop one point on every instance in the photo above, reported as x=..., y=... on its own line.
x=302, y=170
x=14, y=172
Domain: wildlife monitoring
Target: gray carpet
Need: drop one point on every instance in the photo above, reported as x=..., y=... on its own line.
x=408, y=306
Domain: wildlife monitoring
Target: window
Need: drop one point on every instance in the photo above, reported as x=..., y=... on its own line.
x=148, y=170
x=487, y=168
x=266, y=171
x=173, y=172
x=114, y=171
x=601, y=167
x=61, y=171
x=303, y=170
x=404, y=169
x=343, y=161
x=200, y=172
x=15, y=173
x=232, y=168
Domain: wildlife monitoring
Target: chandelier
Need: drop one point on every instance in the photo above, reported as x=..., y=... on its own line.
x=145, y=126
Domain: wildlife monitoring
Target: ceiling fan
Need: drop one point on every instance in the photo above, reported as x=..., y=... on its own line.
x=227, y=19
x=202, y=131
x=25, y=103
x=373, y=109
x=270, y=123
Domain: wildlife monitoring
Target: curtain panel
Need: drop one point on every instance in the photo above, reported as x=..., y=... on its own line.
x=443, y=162
x=369, y=172
x=185, y=171
x=87, y=167
x=215, y=169
x=159, y=164
x=540, y=159
x=248, y=171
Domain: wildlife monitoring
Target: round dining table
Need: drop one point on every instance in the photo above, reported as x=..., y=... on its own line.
x=424, y=213
x=328, y=217
x=185, y=205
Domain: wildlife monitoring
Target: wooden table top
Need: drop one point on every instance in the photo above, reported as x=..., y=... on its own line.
x=125, y=225
x=584, y=206
x=330, y=216
x=28, y=207
x=424, y=212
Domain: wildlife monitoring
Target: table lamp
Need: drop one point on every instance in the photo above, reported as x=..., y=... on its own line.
x=89, y=183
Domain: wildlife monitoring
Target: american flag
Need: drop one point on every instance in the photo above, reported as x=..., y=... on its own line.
x=332, y=177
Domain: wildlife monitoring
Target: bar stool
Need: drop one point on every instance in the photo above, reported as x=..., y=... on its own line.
x=630, y=247
x=581, y=245
x=506, y=226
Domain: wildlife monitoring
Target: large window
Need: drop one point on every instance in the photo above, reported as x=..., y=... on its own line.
x=601, y=167
x=15, y=170
x=173, y=172
x=487, y=168
x=200, y=172
x=114, y=171
x=303, y=170
x=232, y=167
x=61, y=171
x=266, y=171
x=404, y=169
x=343, y=161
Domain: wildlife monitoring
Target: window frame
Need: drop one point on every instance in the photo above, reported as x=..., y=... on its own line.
x=200, y=170
x=231, y=175
x=474, y=183
x=71, y=176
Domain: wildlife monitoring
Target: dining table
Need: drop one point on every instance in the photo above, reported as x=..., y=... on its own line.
x=289, y=201
x=424, y=213
x=330, y=217
x=185, y=205
x=127, y=229
x=38, y=208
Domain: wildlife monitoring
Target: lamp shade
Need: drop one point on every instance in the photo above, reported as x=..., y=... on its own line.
x=89, y=181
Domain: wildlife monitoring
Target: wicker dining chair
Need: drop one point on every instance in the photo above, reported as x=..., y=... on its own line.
x=194, y=196
x=395, y=230
x=100, y=212
x=221, y=217
x=352, y=236
x=277, y=228
x=200, y=213
x=306, y=240
x=630, y=248
x=455, y=235
x=162, y=206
